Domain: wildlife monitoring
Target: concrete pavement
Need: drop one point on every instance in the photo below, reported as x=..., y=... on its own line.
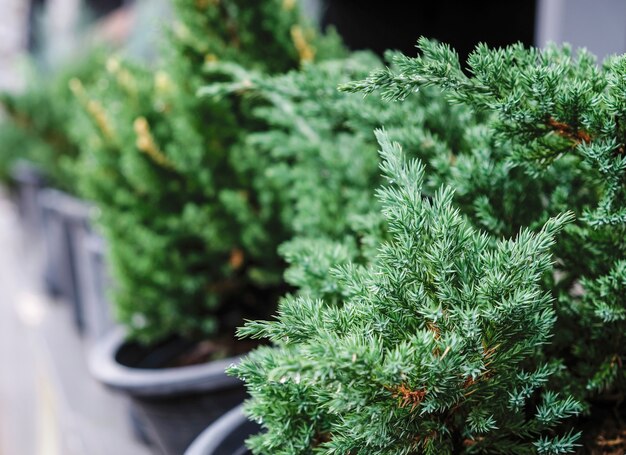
x=49, y=404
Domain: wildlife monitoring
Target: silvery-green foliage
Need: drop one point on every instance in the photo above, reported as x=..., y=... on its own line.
x=559, y=118
x=434, y=347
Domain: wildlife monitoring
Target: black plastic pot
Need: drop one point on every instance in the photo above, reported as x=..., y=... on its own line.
x=57, y=266
x=173, y=405
x=28, y=181
x=226, y=436
x=94, y=282
x=65, y=221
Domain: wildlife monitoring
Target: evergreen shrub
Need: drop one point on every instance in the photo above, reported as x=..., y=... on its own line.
x=559, y=118
x=434, y=348
x=193, y=249
x=545, y=137
x=317, y=160
x=35, y=121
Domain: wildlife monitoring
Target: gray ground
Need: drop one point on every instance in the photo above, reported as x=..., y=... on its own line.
x=49, y=404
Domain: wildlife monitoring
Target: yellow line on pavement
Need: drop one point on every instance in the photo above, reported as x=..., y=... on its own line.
x=48, y=441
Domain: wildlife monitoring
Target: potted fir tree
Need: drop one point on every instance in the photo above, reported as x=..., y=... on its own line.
x=31, y=136
x=547, y=139
x=557, y=118
x=435, y=346
x=192, y=248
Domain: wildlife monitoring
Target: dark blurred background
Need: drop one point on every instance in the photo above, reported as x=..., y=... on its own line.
x=396, y=24
x=375, y=25
x=54, y=31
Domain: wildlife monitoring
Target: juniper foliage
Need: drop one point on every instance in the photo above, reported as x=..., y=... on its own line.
x=193, y=250
x=434, y=348
x=317, y=160
x=35, y=123
x=558, y=116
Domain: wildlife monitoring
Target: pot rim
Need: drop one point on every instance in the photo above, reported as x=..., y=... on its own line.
x=66, y=204
x=210, y=439
x=206, y=377
x=26, y=172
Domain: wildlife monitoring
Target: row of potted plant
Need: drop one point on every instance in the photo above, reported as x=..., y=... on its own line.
x=192, y=245
x=37, y=159
x=192, y=249
x=473, y=303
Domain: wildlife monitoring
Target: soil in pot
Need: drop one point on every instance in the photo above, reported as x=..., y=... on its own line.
x=604, y=431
